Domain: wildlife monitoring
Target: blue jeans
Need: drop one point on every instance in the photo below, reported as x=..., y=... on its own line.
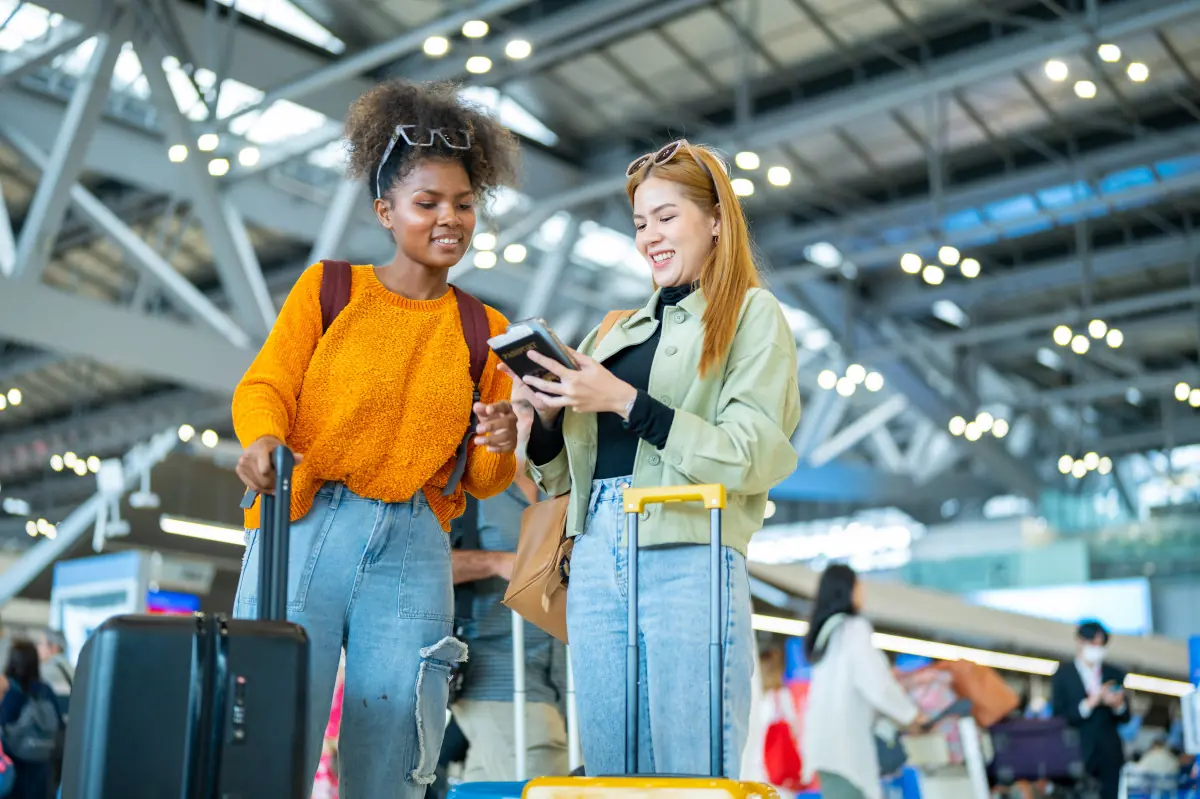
x=673, y=586
x=375, y=578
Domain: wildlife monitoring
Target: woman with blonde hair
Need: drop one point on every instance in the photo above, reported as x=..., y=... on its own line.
x=698, y=386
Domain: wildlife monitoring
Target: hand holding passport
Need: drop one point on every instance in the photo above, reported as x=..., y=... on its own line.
x=528, y=335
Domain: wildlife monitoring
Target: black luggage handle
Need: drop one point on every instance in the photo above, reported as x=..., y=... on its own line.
x=635, y=501
x=275, y=520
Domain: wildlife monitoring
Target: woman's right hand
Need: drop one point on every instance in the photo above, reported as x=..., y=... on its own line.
x=522, y=392
x=255, y=467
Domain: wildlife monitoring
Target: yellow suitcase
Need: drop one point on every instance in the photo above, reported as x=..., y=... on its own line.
x=631, y=784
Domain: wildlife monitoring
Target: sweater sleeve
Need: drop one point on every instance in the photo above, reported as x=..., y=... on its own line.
x=264, y=402
x=489, y=473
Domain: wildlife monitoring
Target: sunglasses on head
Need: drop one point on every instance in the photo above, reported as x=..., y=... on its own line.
x=663, y=156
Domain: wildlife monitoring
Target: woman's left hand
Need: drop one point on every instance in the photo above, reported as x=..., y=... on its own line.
x=497, y=428
x=589, y=389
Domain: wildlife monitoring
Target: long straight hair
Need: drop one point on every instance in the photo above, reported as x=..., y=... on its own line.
x=835, y=594
x=729, y=271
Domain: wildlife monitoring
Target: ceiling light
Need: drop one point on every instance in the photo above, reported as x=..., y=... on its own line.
x=1109, y=52
x=1056, y=70
x=209, y=438
x=177, y=153
x=485, y=259
x=475, y=29
x=746, y=160
x=186, y=431
x=515, y=253
x=518, y=49
x=957, y=426
x=779, y=176
x=1194, y=398
x=1105, y=465
x=985, y=421
x=93, y=464
x=478, y=64
x=1085, y=89
x=845, y=386
x=1078, y=470
x=208, y=142
x=248, y=156
x=202, y=530
x=933, y=275
x=80, y=467
x=1000, y=428
x=1115, y=338
x=56, y=463
x=742, y=187
x=1097, y=328
x=1181, y=391
x=15, y=396
x=911, y=263
x=856, y=372
x=1138, y=72
x=218, y=167
x=436, y=46
x=31, y=528
x=3, y=402
x=769, y=510
x=69, y=460
x=969, y=267
x=1091, y=461
x=873, y=381
x=1080, y=345
x=1062, y=335
x=484, y=241
x=827, y=379
x=972, y=431
x=1065, y=463
x=948, y=255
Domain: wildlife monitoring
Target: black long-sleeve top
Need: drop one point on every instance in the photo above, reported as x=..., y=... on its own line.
x=649, y=419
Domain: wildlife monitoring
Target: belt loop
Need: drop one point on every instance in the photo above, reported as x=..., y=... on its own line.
x=336, y=499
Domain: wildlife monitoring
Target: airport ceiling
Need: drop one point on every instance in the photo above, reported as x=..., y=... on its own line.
x=975, y=212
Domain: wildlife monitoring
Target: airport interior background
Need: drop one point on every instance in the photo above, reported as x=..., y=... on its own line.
x=979, y=217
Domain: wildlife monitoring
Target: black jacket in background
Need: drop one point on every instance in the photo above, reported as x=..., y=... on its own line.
x=1103, y=752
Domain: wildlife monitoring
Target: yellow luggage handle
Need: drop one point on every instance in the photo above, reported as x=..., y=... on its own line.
x=636, y=499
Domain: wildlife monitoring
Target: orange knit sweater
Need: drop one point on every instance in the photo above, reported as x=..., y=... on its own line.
x=380, y=402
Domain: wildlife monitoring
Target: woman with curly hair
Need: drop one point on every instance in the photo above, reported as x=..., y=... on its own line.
x=375, y=408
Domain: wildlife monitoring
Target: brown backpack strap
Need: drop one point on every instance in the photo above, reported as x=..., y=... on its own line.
x=476, y=330
x=610, y=321
x=335, y=290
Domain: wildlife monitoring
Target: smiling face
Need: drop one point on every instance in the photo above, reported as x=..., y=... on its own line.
x=431, y=213
x=674, y=234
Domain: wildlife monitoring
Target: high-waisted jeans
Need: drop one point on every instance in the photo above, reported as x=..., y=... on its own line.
x=673, y=599
x=375, y=578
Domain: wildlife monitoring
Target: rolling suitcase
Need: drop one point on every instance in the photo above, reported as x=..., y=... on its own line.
x=197, y=707
x=1036, y=749
x=631, y=783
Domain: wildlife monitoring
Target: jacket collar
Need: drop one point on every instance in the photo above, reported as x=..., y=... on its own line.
x=693, y=303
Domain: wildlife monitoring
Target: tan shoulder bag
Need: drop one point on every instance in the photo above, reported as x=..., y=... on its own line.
x=538, y=588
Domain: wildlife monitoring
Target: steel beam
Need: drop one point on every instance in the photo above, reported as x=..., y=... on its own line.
x=1160, y=384
x=333, y=230
x=820, y=417
x=233, y=255
x=62, y=39
x=887, y=453
x=140, y=254
x=49, y=204
x=850, y=435
x=546, y=281
x=969, y=68
x=41, y=555
x=172, y=351
x=8, y=245
x=822, y=300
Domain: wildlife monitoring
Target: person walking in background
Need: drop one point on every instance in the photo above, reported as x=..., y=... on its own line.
x=484, y=710
x=387, y=401
x=852, y=684
x=31, y=727
x=57, y=671
x=1087, y=692
x=696, y=387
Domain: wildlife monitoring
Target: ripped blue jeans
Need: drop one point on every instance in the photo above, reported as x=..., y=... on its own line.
x=375, y=578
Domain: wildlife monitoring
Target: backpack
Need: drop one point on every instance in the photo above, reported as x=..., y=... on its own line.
x=335, y=294
x=37, y=734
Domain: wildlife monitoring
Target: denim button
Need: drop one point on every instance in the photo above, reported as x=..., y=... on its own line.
x=671, y=350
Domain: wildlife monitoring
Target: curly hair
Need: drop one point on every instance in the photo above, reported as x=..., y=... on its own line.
x=491, y=160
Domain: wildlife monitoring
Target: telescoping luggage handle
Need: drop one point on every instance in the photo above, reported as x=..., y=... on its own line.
x=635, y=502
x=274, y=524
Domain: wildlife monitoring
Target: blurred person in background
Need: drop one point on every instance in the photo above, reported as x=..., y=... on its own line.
x=1087, y=692
x=696, y=387
x=57, y=671
x=484, y=710
x=30, y=725
x=852, y=684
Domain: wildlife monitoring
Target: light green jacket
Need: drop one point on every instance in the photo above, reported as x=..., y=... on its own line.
x=733, y=427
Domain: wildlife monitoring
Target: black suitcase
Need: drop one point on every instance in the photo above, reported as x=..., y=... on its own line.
x=1035, y=749
x=198, y=707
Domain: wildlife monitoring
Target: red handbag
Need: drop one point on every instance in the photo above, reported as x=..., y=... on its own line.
x=781, y=755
